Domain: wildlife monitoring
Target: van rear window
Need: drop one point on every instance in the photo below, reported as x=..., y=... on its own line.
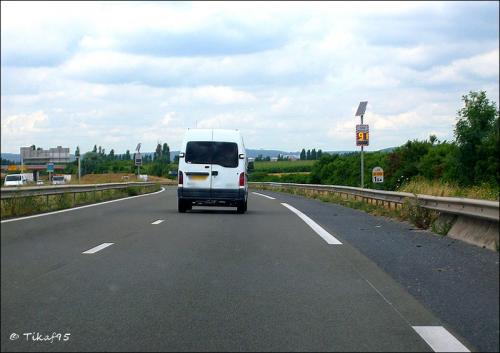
x=224, y=154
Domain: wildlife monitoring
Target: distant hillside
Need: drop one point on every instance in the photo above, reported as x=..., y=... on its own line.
x=252, y=153
x=389, y=149
x=14, y=157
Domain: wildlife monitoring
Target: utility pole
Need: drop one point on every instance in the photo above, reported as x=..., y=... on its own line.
x=79, y=169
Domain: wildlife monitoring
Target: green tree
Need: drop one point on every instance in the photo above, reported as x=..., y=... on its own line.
x=313, y=154
x=320, y=154
x=165, y=153
x=157, y=153
x=303, y=154
x=127, y=155
x=112, y=154
x=95, y=149
x=308, y=154
x=476, y=134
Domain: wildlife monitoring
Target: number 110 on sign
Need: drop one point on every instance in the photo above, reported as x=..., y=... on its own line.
x=362, y=135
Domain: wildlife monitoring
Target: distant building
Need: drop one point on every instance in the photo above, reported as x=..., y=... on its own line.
x=274, y=159
x=41, y=156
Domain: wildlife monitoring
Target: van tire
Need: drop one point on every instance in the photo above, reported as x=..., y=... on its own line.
x=242, y=207
x=181, y=205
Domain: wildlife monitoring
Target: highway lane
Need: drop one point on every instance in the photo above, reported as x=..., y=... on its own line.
x=457, y=281
x=205, y=280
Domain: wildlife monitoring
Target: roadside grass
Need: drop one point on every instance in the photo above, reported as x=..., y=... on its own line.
x=26, y=206
x=283, y=166
x=116, y=178
x=438, y=188
x=285, y=174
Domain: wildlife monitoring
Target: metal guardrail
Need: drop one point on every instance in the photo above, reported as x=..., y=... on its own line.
x=454, y=205
x=16, y=192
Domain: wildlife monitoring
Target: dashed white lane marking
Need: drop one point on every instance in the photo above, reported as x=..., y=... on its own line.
x=439, y=339
x=269, y=197
x=158, y=221
x=79, y=207
x=97, y=248
x=330, y=239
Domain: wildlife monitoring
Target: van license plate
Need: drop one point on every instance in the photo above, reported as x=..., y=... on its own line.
x=198, y=177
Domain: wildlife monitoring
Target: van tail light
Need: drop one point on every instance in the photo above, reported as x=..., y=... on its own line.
x=242, y=179
x=181, y=178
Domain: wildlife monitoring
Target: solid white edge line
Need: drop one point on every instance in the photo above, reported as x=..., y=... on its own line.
x=439, y=339
x=158, y=221
x=330, y=239
x=269, y=197
x=97, y=248
x=79, y=207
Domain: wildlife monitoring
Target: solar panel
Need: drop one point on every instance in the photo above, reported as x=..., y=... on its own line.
x=361, y=108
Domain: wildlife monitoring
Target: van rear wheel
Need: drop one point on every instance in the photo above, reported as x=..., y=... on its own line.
x=242, y=206
x=181, y=205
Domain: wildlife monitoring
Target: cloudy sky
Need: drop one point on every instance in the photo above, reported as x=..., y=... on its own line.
x=288, y=75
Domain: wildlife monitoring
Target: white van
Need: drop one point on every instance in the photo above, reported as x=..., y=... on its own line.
x=58, y=180
x=212, y=170
x=15, y=180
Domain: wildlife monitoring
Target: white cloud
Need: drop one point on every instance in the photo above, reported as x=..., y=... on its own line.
x=21, y=124
x=222, y=95
x=288, y=75
x=20, y=129
x=484, y=65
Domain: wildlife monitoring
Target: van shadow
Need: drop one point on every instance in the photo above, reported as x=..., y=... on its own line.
x=218, y=211
x=209, y=211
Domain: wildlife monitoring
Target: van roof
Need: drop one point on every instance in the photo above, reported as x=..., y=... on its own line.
x=213, y=135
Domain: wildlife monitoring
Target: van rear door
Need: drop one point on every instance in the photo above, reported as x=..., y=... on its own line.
x=197, y=169
x=225, y=171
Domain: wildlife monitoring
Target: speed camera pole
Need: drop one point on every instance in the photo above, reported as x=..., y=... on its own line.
x=362, y=137
x=138, y=159
x=362, y=161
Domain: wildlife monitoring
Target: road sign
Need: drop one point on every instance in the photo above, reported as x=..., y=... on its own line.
x=138, y=159
x=361, y=108
x=50, y=167
x=12, y=168
x=362, y=135
x=378, y=175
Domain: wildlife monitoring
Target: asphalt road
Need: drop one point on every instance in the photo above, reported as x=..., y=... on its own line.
x=215, y=280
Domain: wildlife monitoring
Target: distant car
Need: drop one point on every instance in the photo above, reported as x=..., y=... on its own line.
x=58, y=180
x=39, y=182
x=15, y=180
